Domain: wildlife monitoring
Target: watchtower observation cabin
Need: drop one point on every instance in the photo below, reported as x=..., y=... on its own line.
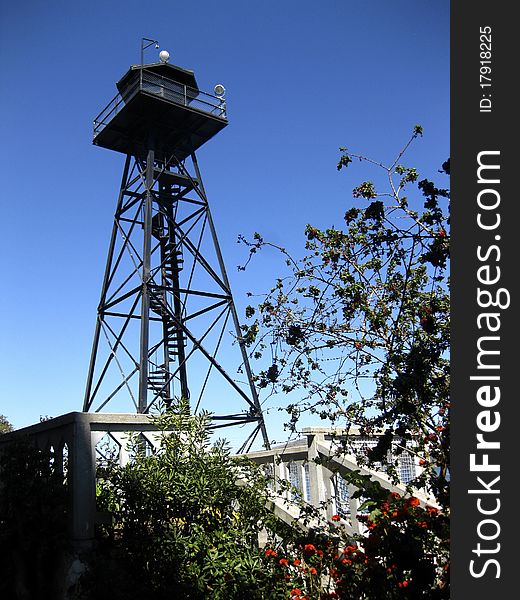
x=166, y=305
x=160, y=107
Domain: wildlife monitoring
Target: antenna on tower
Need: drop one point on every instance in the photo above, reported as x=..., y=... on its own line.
x=146, y=43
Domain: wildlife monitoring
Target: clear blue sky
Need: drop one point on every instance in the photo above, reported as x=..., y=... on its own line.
x=302, y=79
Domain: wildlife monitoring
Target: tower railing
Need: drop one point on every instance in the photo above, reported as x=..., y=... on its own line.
x=166, y=89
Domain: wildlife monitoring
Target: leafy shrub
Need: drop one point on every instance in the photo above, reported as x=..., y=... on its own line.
x=185, y=522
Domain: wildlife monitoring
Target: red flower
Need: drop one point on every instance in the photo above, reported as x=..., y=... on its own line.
x=403, y=584
x=270, y=552
x=297, y=562
x=312, y=571
x=310, y=548
x=283, y=562
x=413, y=501
x=296, y=592
x=335, y=518
x=319, y=553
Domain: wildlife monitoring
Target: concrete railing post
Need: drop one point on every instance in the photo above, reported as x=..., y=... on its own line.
x=83, y=481
x=319, y=486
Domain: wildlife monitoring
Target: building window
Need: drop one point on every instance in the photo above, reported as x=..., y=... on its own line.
x=406, y=467
x=341, y=497
x=295, y=479
x=307, y=478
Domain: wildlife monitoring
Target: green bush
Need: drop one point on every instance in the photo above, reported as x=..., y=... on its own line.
x=185, y=524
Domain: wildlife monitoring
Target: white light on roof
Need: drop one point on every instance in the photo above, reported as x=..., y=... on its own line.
x=219, y=90
x=164, y=56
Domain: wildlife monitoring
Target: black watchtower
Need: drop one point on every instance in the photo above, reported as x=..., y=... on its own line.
x=167, y=326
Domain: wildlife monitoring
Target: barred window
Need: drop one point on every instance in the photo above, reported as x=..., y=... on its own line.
x=406, y=467
x=295, y=479
x=341, y=496
x=307, y=482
